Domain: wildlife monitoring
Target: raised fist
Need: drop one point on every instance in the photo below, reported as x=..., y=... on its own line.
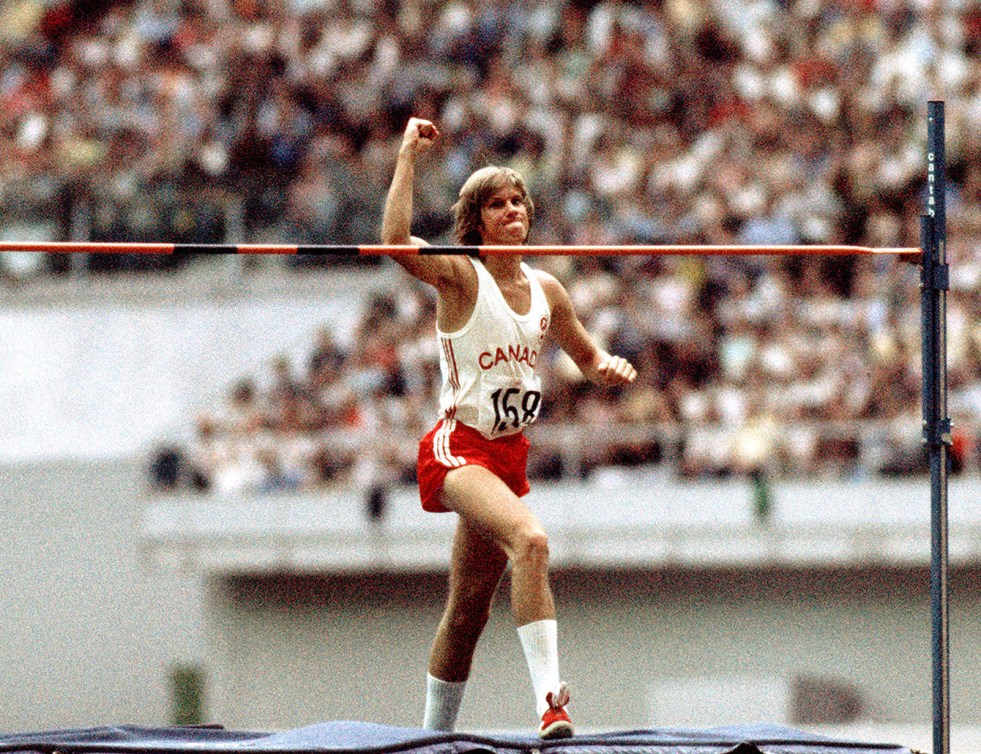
x=420, y=135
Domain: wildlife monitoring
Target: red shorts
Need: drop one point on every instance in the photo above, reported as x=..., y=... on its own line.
x=450, y=445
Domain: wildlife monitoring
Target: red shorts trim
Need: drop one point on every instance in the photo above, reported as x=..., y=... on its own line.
x=450, y=445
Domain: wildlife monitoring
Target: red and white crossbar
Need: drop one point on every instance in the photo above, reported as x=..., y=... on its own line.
x=382, y=250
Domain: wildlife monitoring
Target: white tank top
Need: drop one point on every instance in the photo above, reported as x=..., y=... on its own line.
x=488, y=365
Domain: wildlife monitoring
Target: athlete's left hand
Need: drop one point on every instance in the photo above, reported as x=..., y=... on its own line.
x=616, y=370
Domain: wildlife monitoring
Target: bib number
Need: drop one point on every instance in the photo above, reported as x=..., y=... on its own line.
x=514, y=408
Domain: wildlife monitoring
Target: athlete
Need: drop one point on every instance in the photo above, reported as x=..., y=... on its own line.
x=492, y=315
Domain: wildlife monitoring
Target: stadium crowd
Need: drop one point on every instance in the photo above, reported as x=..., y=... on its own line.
x=680, y=121
x=740, y=373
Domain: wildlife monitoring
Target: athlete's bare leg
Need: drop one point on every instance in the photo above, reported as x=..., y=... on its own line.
x=490, y=507
x=476, y=568
x=496, y=527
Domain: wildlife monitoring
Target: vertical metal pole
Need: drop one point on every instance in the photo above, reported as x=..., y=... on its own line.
x=935, y=277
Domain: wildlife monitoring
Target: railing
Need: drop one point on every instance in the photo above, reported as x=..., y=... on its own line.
x=577, y=451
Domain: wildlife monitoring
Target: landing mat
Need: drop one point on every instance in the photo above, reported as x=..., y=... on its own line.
x=371, y=738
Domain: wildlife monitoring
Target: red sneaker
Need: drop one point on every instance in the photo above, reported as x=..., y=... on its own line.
x=555, y=721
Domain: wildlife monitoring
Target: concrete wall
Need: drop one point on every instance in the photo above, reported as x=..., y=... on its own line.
x=89, y=631
x=101, y=372
x=291, y=650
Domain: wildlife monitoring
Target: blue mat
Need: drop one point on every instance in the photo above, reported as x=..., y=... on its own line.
x=346, y=736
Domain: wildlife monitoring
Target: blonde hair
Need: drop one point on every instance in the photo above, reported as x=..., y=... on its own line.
x=474, y=194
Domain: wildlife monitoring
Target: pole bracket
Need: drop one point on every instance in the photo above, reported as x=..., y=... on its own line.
x=937, y=433
x=936, y=277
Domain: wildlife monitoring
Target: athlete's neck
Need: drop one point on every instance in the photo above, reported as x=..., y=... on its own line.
x=504, y=268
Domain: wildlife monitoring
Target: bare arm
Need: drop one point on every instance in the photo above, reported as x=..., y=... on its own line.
x=596, y=364
x=437, y=270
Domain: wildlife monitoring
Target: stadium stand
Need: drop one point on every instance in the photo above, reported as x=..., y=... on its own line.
x=672, y=122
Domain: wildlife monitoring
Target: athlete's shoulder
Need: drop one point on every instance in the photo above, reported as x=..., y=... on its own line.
x=554, y=290
x=450, y=274
x=544, y=278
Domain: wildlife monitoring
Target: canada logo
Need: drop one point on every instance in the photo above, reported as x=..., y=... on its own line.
x=516, y=354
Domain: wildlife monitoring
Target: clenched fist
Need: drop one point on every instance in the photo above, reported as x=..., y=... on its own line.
x=419, y=136
x=616, y=370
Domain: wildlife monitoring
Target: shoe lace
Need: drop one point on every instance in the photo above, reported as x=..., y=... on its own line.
x=558, y=698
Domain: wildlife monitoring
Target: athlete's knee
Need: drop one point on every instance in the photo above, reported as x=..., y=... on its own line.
x=531, y=544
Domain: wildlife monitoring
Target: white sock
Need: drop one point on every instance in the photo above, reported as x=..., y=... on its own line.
x=540, y=643
x=443, y=700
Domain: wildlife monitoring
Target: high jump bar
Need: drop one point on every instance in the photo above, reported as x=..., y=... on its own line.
x=90, y=247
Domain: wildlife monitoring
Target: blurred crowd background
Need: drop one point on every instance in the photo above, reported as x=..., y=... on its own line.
x=676, y=121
